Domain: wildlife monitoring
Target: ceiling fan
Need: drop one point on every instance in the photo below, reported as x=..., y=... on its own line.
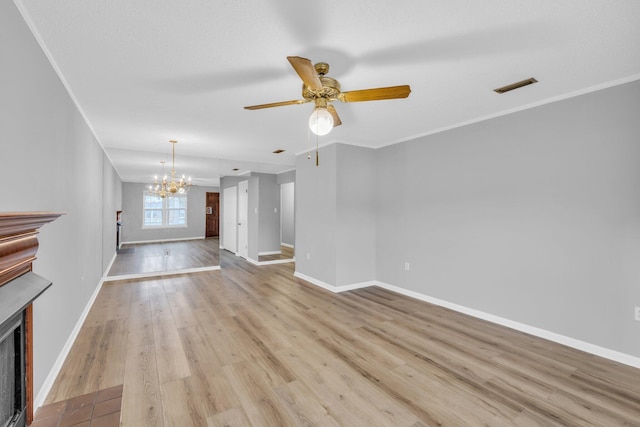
x=323, y=90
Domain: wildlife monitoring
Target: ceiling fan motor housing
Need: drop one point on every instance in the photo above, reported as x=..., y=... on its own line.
x=330, y=90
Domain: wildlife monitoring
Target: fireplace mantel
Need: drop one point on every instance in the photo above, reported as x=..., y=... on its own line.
x=19, y=286
x=19, y=241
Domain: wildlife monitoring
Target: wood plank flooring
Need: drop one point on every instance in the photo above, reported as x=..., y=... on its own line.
x=145, y=258
x=285, y=253
x=253, y=346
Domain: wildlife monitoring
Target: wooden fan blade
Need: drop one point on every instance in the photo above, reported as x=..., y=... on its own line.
x=306, y=71
x=377, y=94
x=336, y=119
x=275, y=104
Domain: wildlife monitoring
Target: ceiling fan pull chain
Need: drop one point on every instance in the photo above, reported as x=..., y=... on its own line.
x=308, y=143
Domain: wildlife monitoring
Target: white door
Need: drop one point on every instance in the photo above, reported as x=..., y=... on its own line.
x=243, y=216
x=230, y=219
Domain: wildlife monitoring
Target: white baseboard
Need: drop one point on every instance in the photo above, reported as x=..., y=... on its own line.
x=604, y=352
x=617, y=356
x=277, y=261
x=273, y=261
x=286, y=245
x=113, y=259
x=270, y=253
x=332, y=288
x=162, y=240
x=160, y=273
x=55, y=369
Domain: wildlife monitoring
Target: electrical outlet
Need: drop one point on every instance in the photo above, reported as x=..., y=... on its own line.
x=406, y=266
x=167, y=252
x=638, y=314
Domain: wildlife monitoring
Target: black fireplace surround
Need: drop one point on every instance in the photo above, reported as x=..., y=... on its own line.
x=12, y=367
x=15, y=296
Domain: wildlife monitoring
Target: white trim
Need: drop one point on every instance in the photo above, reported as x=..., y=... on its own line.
x=275, y=261
x=285, y=171
x=39, y=399
x=332, y=288
x=27, y=18
x=160, y=273
x=270, y=253
x=617, y=356
x=113, y=259
x=551, y=100
x=286, y=245
x=163, y=227
x=162, y=240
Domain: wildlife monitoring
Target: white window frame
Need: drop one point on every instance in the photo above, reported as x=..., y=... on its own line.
x=165, y=211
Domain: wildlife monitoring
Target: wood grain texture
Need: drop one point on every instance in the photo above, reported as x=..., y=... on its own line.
x=254, y=346
x=145, y=258
x=285, y=253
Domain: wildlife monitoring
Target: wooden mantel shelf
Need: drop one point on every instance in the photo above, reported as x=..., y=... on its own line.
x=18, y=285
x=15, y=222
x=19, y=241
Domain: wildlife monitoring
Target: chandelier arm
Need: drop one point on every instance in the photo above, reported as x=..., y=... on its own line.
x=166, y=188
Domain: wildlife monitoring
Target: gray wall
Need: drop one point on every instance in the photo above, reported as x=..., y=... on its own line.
x=132, y=218
x=533, y=217
x=269, y=212
x=287, y=206
x=335, y=215
x=287, y=213
x=112, y=202
x=316, y=215
x=286, y=177
x=254, y=218
x=54, y=163
x=357, y=199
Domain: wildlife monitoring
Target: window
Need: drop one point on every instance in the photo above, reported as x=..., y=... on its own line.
x=167, y=212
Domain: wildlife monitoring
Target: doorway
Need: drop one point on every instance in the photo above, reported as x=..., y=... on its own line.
x=212, y=217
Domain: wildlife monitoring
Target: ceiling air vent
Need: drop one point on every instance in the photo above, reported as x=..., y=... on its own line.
x=517, y=85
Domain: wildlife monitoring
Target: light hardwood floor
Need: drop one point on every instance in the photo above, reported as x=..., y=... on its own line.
x=253, y=346
x=285, y=253
x=144, y=258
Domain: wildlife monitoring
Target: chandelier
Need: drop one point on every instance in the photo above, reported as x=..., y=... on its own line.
x=166, y=187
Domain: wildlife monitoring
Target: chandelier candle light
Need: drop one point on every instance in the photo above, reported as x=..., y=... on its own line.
x=166, y=188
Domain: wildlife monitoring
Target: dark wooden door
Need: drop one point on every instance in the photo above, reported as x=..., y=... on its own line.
x=213, y=215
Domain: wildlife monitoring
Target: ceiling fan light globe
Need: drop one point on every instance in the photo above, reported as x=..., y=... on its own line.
x=321, y=121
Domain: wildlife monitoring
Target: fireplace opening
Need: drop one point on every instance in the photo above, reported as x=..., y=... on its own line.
x=12, y=372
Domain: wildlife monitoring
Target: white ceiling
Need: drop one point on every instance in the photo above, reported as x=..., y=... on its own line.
x=147, y=71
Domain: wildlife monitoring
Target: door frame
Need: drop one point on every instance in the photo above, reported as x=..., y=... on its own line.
x=243, y=219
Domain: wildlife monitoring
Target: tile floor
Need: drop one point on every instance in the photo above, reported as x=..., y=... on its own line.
x=99, y=409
